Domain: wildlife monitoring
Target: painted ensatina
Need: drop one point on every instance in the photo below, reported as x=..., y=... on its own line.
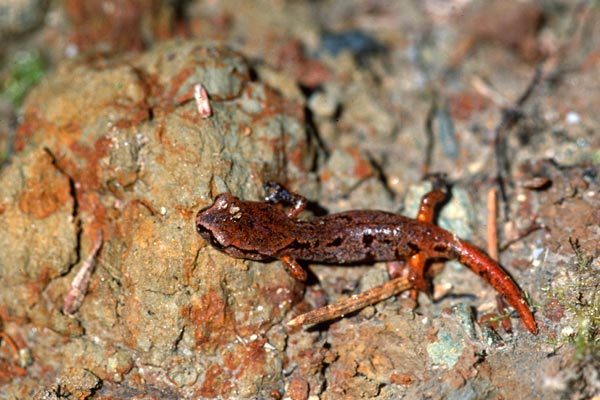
x=264, y=231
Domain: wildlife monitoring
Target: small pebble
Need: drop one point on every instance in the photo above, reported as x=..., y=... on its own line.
x=572, y=118
x=323, y=104
x=20, y=16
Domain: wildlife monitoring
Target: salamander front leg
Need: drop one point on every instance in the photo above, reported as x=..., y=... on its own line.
x=277, y=194
x=294, y=269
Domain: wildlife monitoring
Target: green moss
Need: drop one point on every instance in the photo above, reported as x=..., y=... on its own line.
x=581, y=298
x=25, y=71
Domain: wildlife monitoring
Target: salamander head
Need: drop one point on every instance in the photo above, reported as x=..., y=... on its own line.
x=242, y=229
x=213, y=222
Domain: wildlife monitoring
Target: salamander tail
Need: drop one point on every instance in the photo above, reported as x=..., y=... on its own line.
x=480, y=263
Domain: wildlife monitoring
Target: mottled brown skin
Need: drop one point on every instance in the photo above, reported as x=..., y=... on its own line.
x=264, y=231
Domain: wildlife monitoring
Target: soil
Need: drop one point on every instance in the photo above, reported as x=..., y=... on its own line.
x=106, y=159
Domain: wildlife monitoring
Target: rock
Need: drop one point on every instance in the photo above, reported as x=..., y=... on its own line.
x=118, y=146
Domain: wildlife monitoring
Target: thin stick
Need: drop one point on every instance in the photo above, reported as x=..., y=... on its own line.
x=510, y=116
x=532, y=228
x=492, y=224
x=430, y=136
x=353, y=303
x=202, y=101
x=504, y=320
x=79, y=286
x=11, y=343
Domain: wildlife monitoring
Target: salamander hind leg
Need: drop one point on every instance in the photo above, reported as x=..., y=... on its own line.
x=416, y=275
x=432, y=199
x=417, y=262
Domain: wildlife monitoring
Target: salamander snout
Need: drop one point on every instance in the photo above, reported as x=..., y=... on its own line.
x=203, y=224
x=214, y=222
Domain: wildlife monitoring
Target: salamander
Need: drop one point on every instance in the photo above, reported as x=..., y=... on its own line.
x=266, y=231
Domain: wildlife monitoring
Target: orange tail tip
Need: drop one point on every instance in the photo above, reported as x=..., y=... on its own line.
x=495, y=275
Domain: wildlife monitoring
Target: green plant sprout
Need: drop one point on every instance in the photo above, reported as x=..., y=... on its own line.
x=27, y=70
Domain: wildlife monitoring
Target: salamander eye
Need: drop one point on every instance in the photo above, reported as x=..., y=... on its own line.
x=235, y=212
x=222, y=202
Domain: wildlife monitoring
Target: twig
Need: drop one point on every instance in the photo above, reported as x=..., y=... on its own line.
x=510, y=116
x=353, y=303
x=11, y=343
x=488, y=91
x=530, y=229
x=430, y=137
x=492, y=224
x=504, y=319
x=79, y=286
x=202, y=102
x=492, y=240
